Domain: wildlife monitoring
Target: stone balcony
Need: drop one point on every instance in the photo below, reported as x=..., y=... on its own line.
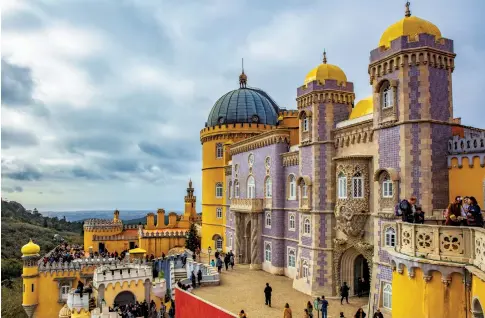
x=463, y=245
x=247, y=205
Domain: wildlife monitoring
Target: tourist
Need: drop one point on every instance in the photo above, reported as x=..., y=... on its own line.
x=199, y=276
x=378, y=314
x=474, y=215
x=231, y=259
x=406, y=209
x=341, y=315
x=226, y=261
x=219, y=264
x=309, y=308
x=287, y=311
x=267, y=294
x=80, y=287
x=213, y=264
x=242, y=314
x=419, y=215
x=360, y=313
x=453, y=214
x=192, y=278
x=306, y=315
x=323, y=307
x=163, y=310
x=344, y=293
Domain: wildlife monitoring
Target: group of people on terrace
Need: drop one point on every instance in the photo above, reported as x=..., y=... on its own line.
x=227, y=260
x=144, y=309
x=464, y=211
x=64, y=252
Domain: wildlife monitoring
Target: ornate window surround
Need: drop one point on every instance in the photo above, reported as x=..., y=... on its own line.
x=341, y=186
x=386, y=230
x=292, y=228
x=387, y=204
x=250, y=187
x=288, y=251
x=268, y=187
x=387, y=114
x=305, y=200
x=219, y=212
x=305, y=116
x=307, y=226
x=237, y=190
x=267, y=220
x=268, y=253
x=219, y=151
x=63, y=281
x=291, y=184
x=384, y=285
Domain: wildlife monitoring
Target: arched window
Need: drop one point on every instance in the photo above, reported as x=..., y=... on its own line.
x=390, y=237
x=236, y=189
x=65, y=289
x=304, y=189
x=386, y=95
x=229, y=189
x=306, y=226
x=292, y=187
x=305, y=270
x=291, y=257
x=304, y=122
x=268, y=187
x=267, y=252
x=219, y=244
x=292, y=223
x=342, y=186
x=218, y=190
x=230, y=242
x=387, y=191
x=268, y=220
x=387, y=296
x=357, y=186
x=219, y=151
x=219, y=213
x=251, y=194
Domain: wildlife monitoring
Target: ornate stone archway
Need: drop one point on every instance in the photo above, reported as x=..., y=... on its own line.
x=248, y=238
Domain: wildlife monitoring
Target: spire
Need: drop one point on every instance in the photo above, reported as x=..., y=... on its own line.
x=407, y=14
x=242, y=78
x=324, y=57
x=190, y=183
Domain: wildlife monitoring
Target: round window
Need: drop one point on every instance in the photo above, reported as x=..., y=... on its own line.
x=255, y=118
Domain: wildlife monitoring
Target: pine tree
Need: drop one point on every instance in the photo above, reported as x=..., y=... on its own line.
x=193, y=240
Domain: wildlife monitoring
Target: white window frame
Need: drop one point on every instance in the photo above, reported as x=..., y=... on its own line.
x=64, y=290
x=219, y=213
x=307, y=226
x=291, y=257
x=387, y=97
x=305, y=269
x=305, y=123
x=219, y=151
x=387, y=188
x=268, y=184
x=251, y=188
x=342, y=186
x=267, y=220
x=292, y=187
x=268, y=252
x=390, y=236
x=230, y=242
x=387, y=295
x=219, y=190
x=236, y=189
x=218, y=243
x=357, y=179
x=304, y=190
x=291, y=223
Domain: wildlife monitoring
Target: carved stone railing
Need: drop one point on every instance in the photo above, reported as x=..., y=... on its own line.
x=247, y=205
x=464, y=245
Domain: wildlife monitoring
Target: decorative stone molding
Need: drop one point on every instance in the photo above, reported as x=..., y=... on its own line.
x=327, y=96
x=290, y=158
x=352, y=224
x=446, y=281
x=163, y=233
x=348, y=136
x=115, y=238
x=228, y=170
x=469, y=144
x=470, y=157
x=427, y=278
x=29, y=310
x=247, y=205
x=259, y=141
x=97, y=225
x=411, y=272
x=380, y=176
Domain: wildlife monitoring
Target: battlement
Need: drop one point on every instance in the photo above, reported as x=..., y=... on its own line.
x=114, y=238
x=164, y=233
x=103, y=225
x=288, y=113
x=76, y=303
x=132, y=226
x=224, y=128
x=127, y=272
x=76, y=265
x=332, y=85
x=469, y=144
x=406, y=42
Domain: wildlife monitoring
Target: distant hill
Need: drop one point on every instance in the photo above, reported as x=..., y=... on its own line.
x=99, y=214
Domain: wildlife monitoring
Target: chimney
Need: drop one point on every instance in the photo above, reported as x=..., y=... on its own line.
x=161, y=219
x=150, y=221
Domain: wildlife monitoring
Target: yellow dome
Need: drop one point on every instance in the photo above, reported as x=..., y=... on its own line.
x=65, y=312
x=362, y=108
x=409, y=26
x=325, y=71
x=30, y=248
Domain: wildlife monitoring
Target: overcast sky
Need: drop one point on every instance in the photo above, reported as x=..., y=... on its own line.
x=103, y=101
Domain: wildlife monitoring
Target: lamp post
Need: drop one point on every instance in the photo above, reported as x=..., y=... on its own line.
x=209, y=250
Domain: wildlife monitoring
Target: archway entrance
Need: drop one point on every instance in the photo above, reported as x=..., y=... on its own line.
x=124, y=298
x=477, y=310
x=101, y=247
x=361, y=271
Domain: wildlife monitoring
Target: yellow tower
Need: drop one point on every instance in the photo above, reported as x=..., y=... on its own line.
x=190, y=214
x=237, y=115
x=30, y=276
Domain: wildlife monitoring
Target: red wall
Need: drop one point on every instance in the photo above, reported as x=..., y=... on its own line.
x=188, y=305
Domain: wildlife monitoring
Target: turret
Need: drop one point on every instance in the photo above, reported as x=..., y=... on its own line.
x=161, y=219
x=150, y=221
x=30, y=275
x=116, y=216
x=189, y=213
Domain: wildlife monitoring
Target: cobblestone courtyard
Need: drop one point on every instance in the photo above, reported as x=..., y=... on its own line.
x=243, y=289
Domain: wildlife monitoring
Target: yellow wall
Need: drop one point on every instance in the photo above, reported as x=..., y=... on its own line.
x=157, y=245
x=81, y=314
x=467, y=181
x=112, y=290
x=414, y=297
x=88, y=239
x=478, y=291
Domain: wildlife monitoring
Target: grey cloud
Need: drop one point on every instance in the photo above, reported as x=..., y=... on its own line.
x=12, y=137
x=168, y=151
x=12, y=190
x=25, y=173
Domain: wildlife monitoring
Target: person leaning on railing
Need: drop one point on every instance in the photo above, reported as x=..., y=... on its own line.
x=474, y=213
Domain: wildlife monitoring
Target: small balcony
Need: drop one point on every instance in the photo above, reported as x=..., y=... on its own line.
x=247, y=205
x=465, y=245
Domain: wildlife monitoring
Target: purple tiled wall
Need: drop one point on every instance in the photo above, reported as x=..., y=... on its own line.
x=290, y=244
x=277, y=251
x=306, y=163
x=389, y=148
x=322, y=273
x=440, y=134
x=414, y=93
x=286, y=232
x=416, y=162
x=328, y=85
x=439, y=94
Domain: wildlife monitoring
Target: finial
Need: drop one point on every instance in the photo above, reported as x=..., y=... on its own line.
x=242, y=78
x=407, y=14
x=324, y=57
x=190, y=183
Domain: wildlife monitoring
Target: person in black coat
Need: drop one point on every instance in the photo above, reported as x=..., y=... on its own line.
x=344, y=293
x=267, y=294
x=199, y=276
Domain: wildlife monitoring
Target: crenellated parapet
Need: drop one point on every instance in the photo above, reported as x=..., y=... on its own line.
x=76, y=265
x=470, y=144
x=114, y=238
x=131, y=226
x=312, y=96
x=290, y=158
x=111, y=274
x=349, y=136
x=147, y=234
x=327, y=85
x=233, y=131
x=262, y=140
x=98, y=225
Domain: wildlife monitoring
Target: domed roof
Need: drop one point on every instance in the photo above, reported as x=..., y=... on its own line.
x=325, y=71
x=244, y=105
x=65, y=312
x=30, y=249
x=408, y=26
x=362, y=108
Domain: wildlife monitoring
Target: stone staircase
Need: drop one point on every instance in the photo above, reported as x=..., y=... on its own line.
x=180, y=274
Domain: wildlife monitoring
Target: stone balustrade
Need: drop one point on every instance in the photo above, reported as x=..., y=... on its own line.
x=76, y=264
x=126, y=272
x=75, y=302
x=469, y=144
x=162, y=233
x=247, y=205
x=465, y=245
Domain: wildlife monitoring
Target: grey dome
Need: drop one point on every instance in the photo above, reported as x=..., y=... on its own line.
x=244, y=105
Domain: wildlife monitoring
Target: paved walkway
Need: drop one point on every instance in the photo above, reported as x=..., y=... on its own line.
x=243, y=289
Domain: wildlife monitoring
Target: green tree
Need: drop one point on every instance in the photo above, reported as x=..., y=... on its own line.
x=12, y=300
x=193, y=240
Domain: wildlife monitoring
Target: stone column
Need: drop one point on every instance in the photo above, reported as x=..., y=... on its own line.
x=148, y=288
x=238, y=237
x=255, y=242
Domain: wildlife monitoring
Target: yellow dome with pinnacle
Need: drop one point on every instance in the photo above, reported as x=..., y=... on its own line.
x=30, y=248
x=408, y=26
x=362, y=108
x=324, y=72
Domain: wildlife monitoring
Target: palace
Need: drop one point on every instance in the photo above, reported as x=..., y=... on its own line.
x=310, y=193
